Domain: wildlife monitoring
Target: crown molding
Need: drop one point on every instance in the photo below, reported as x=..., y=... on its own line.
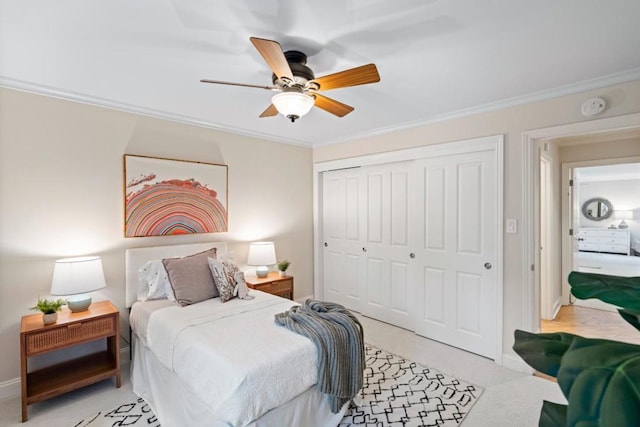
x=585, y=85
x=582, y=86
x=53, y=92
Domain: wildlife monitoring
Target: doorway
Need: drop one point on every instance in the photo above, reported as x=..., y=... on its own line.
x=599, y=244
x=576, y=134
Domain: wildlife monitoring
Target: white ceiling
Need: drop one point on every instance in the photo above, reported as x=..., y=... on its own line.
x=436, y=58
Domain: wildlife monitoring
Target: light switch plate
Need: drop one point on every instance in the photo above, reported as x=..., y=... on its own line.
x=512, y=226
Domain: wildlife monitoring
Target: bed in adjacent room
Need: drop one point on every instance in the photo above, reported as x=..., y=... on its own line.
x=215, y=363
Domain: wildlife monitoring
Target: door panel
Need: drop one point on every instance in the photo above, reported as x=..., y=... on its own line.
x=388, y=243
x=468, y=293
x=469, y=203
x=457, y=199
x=342, y=237
x=375, y=207
x=433, y=287
x=433, y=209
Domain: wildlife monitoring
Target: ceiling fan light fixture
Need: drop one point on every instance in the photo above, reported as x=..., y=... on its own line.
x=292, y=105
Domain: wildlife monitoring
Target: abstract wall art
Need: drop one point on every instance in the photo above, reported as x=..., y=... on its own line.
x=168, y=197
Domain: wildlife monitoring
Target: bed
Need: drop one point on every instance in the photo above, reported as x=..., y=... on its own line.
x=220, y=364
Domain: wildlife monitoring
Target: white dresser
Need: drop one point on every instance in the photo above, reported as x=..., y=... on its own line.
x=607, y=240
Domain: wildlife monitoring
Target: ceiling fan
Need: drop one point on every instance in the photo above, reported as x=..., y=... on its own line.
x=297, y=85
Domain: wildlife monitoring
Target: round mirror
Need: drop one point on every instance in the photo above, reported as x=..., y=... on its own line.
x=597, y=209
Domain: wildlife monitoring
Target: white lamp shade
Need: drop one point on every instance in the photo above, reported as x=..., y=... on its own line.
x=292, y=103
x=73, y=276
x=623, y=214
x=262, y=253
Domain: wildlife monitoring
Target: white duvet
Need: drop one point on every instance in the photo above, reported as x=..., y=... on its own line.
x=233, y=356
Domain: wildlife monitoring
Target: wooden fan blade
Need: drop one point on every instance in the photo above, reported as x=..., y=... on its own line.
x=220, y=82
x=270, y=111
x=332, y=106
x=355, y=76
x=274, y=56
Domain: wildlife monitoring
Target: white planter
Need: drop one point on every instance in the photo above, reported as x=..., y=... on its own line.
x=49, y=318
x=282, y=273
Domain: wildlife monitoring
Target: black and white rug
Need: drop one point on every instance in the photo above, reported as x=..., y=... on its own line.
x=137, y=413
x=400, y=393
x=396, y=393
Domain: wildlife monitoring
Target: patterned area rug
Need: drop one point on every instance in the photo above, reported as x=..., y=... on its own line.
x=136, y=413
x=396, y=393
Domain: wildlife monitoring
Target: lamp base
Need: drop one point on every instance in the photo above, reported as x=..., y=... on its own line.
x=78, y=303
x=262, y=271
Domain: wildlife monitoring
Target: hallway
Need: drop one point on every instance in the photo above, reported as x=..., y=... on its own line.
x=592, y=323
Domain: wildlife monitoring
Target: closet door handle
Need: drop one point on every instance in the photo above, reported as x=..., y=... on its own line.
x=326, y=244
x=412, y=255
x=487, y=265
x=364, y=249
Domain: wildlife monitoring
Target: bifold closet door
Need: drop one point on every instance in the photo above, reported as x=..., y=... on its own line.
x=456, y=274
x=387, y=246
x=342, y=237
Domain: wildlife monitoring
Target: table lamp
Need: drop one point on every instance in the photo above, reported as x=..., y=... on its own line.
x=623, y=215
x=262, y=254
x=76, y=277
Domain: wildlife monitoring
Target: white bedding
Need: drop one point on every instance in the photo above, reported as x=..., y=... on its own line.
x=232, y=356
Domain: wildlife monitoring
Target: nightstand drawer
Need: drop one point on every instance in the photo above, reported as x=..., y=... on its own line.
x=48, y=339
x=280, y=287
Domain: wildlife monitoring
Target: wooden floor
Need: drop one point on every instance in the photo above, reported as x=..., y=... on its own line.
x=592, y=323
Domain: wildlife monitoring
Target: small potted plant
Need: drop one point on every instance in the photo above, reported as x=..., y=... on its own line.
x=49, y=309
x=283, y=265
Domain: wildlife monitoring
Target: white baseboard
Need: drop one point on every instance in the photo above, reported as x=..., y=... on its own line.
x=11, y=388
x=515, y=363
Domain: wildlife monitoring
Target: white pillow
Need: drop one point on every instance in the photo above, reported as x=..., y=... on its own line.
x=154, y=282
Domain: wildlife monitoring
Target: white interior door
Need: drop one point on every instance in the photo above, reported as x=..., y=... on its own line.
x=457, y=251
x=546, y=291
x=342, y=237
x=387, y=247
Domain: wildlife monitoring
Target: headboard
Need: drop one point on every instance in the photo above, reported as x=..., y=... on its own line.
x=137, y=257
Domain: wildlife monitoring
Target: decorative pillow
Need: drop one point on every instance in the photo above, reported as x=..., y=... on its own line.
x=191, y=278
x=230, y=269
x=220, y=276
x=154, y=282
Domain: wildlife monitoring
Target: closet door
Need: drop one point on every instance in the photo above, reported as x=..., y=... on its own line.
x=457, y=232
x=387, y=247
x=343, y=259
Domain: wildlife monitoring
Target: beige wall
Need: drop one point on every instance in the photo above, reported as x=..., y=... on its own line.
x=61, y=194
x=598, y=151
x=512, y=122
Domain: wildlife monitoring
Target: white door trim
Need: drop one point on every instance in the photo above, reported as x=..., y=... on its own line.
x=494, y=143
x=530, y=140
x=548, y=308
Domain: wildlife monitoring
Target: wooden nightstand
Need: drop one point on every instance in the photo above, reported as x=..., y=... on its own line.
x=100, y=321
x=272, y=284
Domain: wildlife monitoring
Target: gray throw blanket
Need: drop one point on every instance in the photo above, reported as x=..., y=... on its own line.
x=338, y=336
